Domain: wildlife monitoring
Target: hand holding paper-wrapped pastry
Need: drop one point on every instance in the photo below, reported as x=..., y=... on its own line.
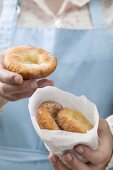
x=63, y=120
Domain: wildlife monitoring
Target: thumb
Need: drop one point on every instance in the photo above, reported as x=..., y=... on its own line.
x=9, y=77
x=99, y=155
x=103, y=129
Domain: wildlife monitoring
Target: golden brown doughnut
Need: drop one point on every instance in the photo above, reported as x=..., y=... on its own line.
x=73, y=121
x=52, y=116
x=46, y=115
x=30, y=62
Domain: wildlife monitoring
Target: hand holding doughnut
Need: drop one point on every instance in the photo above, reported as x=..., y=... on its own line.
x=30, y=62
x=12, y=85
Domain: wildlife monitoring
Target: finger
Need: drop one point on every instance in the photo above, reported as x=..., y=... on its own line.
x=32, y=90
x=74, y=162
x=95, y=157
x=99, y=155
x=9, y=98
x=88, y=153
x=12, y=89
x=103, y=129
x=10, y=77
x=19, y=96
x=13, y=93
x=44, y=82
x=56, y=163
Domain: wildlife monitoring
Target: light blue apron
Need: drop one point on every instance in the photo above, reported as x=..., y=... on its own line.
x=85, y=66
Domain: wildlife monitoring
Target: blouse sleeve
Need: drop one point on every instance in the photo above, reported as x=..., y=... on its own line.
x=110, y=122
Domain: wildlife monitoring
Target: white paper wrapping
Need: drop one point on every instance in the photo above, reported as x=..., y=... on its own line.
x=57, y=141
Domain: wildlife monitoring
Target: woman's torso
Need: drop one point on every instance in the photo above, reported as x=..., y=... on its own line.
x=85, y=60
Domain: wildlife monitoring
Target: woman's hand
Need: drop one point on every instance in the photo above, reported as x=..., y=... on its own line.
x=13, y=87
x=97, y=159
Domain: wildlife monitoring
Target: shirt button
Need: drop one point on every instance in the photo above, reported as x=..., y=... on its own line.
x=58, y=23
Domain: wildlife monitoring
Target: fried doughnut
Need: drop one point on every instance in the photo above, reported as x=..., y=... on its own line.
x=30, y=62
x=73, y=121
x=46, y=115
x=52, y=116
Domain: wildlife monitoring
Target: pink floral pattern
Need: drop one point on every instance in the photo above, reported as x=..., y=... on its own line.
x=32, y=15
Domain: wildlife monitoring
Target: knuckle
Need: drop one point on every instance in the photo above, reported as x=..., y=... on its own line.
x=5, y=76
x=8, y=79
x=29, y=84
x=23, y=87
x=18, y=89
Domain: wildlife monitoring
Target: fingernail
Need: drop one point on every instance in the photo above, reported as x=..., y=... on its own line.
x=52, y=160
x=80, y=149
x=68, y=158
x=18, y=79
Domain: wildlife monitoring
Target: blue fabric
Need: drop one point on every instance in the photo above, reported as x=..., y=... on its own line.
x=8, y=22
x=97, y=16
x=85, y=66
